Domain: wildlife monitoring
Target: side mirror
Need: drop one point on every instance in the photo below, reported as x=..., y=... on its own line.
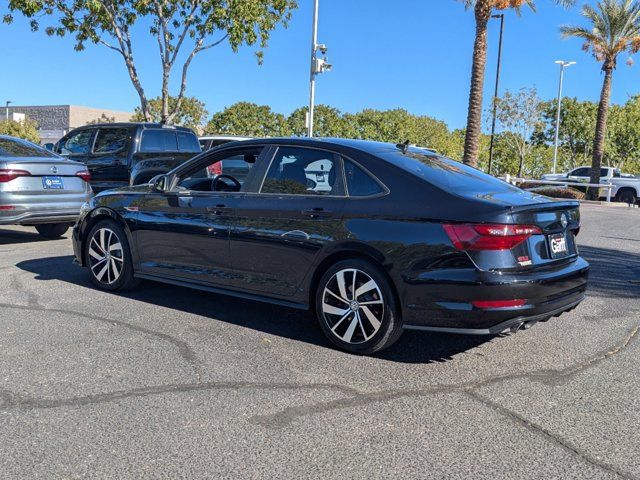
x=159, y=183
x=49, y=146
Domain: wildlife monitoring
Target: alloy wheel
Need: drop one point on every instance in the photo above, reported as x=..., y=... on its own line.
x=353, y=306
x=106, y=256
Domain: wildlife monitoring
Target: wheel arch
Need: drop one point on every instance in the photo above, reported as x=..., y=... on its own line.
x=97, y=215
x=628, y=189
x=347, y=252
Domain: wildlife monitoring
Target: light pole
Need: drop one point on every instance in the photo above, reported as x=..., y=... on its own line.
x=7, y=110
x=563, y=65
x=495, y=96
x=318, y=65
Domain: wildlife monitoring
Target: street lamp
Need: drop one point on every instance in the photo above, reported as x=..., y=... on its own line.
x=318, y=66
x=7, y=109
x=563, y=65
x=495, y=96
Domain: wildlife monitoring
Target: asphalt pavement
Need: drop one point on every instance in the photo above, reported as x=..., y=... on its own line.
x=167, y=382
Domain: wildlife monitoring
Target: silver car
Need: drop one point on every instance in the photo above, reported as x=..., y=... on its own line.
x=39, y=188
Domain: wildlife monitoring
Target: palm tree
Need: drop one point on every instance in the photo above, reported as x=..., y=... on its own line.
x=483, y=9
x=614, y=29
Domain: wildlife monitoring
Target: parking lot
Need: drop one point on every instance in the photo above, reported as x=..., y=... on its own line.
x=169, y=382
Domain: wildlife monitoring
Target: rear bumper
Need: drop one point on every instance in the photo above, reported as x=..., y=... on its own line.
x=40, y=216
x=440, y=300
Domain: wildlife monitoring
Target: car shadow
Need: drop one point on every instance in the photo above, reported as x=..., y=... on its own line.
x=614, y=273
x=299, y=325
x=607, y=279
x=10, y=237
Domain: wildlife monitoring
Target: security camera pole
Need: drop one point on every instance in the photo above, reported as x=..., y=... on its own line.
x=563, y=65
x=318, y=65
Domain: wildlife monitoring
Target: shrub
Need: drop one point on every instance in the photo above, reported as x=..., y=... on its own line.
x=558, y=192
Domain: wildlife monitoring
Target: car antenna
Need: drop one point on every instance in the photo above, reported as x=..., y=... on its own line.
x=404, y=147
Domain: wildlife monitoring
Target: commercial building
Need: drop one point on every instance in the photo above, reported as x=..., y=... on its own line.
x=55, y=121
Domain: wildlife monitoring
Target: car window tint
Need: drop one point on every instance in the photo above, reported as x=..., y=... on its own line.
x=22, y=148
x=188, y=142
x=604, y=172
x=159, y=141
x=359, y=183
x=301, y=171
x=580, y=172
x=110, y=140
x=77, y=143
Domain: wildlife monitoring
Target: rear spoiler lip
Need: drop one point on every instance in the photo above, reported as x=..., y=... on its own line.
x=543, y=207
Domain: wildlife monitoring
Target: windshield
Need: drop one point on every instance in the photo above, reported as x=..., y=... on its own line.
x=445, y=173
x=16, y=147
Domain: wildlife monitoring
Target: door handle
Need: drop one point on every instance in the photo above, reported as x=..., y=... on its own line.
x=219, y=209
x=316, y=213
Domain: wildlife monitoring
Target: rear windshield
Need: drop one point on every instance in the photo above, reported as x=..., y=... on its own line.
x=22, y=148
x=445, y=173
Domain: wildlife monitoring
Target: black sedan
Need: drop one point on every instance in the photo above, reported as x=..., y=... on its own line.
x=375, y=237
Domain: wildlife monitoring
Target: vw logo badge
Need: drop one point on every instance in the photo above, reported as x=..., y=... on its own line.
x=54, y=169
x=564, y=221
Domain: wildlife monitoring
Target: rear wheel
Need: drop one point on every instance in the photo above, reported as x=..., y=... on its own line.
x=356, y=307
x=627, y=196
x=108, y=257
x=52, y=230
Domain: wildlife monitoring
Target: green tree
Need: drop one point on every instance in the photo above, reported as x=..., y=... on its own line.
x=27, y=129
x=191, y=112
x=328, y=122
x=483, y=9
x=622, y=146
x=614, y=29
x=577, y=128
x=177, y=26
x=250, y=119
x=398, y=125
x=519, y=114
x=104, y=118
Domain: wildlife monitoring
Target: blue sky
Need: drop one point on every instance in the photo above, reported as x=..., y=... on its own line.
x=413, y=54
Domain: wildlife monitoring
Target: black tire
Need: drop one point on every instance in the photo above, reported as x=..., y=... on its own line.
x=52, y=231
x=627, y=196
x=352, y=326
x=112, y=271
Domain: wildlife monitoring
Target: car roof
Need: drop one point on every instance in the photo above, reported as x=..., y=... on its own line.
x=224, y=137
x=135, y=124
x=367, y=146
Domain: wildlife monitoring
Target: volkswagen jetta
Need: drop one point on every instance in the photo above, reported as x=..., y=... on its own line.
x=374, y=237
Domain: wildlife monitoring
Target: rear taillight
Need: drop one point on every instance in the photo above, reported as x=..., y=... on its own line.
x=473, y=237
x=6, y=175
x=215, y=169
x=84, y=175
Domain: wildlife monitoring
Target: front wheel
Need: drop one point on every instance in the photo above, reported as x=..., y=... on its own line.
x=108, y=257
x=356, y=307
x=52, y=231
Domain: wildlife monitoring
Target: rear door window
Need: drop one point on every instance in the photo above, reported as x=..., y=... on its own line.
x=580, y=172
x=111, y=140
x=156, y=140
x=302, y=171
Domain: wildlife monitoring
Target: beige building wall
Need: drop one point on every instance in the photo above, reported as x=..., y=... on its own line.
x=79, y=116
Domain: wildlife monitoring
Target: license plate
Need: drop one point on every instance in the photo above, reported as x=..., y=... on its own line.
x=52, y=183
x=558, y=245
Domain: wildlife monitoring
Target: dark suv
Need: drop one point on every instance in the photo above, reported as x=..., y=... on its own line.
x=120, y=154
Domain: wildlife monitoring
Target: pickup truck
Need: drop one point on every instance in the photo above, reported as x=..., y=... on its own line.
x=626, y=187
x=121, y=154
